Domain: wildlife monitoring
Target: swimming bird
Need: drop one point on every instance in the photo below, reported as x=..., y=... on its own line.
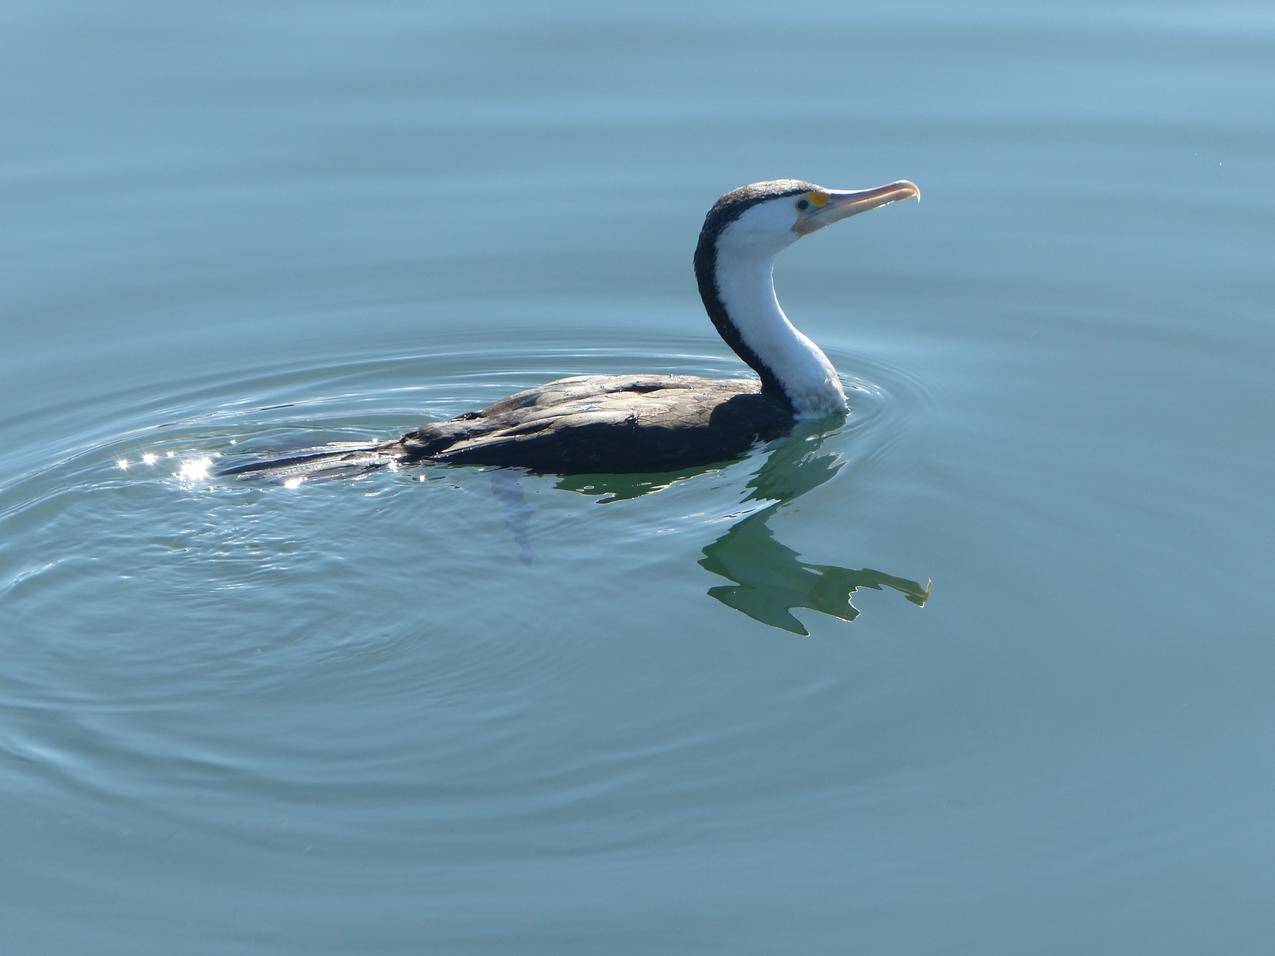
x=646, y=423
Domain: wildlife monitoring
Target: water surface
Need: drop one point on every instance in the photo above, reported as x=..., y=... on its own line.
x=985, y=668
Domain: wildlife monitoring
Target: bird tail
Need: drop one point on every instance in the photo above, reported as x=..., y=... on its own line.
x=316, y=463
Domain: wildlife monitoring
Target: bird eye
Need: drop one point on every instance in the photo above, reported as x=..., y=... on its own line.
x=803, y=204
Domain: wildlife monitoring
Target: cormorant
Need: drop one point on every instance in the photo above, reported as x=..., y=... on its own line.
x=646, y=423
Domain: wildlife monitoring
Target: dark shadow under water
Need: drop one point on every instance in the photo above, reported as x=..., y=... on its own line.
x=769, y=578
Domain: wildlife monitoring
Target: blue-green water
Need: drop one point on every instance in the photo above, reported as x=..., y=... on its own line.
x=490, y=713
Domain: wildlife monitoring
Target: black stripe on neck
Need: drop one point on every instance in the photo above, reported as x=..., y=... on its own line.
x=725, y=211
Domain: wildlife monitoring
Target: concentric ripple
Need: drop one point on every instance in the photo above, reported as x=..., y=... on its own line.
x=135, y=581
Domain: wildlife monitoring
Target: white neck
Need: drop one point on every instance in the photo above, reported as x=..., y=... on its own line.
x=746, y=287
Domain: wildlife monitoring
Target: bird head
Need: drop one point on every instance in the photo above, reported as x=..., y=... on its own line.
x=767, y=217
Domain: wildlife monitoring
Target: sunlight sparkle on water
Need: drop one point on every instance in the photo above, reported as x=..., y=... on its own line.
x=293, y=482
x=121, y=464
x=150, y=458
x=194, y=469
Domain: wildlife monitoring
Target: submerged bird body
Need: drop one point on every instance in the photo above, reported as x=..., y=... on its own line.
x=607, y=423
x=646, y=423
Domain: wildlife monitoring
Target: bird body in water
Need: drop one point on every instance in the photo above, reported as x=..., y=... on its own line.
x=636, y=423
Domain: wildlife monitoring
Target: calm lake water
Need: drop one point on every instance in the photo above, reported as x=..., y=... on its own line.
x=475, y=711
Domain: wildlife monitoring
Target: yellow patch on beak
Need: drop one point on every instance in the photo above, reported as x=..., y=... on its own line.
x=818, y=200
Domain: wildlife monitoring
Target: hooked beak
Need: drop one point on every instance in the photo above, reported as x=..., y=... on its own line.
x=844, y=203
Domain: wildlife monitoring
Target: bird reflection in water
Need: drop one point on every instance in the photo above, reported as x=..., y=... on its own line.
x=769, y=578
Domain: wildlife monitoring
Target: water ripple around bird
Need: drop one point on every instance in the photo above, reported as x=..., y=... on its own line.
x=133, y=506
